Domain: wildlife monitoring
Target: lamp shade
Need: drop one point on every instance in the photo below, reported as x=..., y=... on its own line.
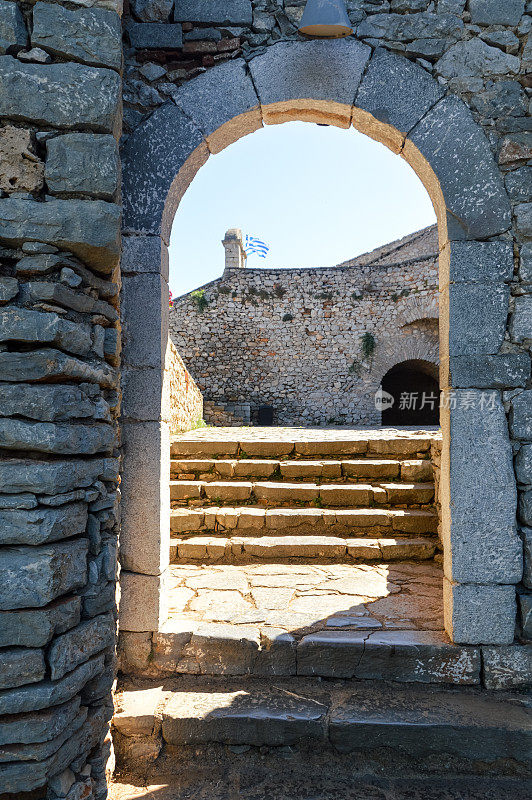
x=325, y=19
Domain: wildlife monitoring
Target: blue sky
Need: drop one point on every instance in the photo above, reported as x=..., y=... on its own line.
x=316, y=195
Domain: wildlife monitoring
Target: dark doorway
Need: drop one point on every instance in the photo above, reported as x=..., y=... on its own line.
x=415, y=389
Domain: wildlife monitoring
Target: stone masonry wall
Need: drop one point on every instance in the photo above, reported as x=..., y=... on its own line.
x=479, y=51
x=182, y=396
x=60, y=99
x=292, y=338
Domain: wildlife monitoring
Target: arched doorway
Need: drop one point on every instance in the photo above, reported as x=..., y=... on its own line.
x=414, y=386
x=396, y=102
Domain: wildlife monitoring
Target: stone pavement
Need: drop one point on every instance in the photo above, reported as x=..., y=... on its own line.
x=300, y=598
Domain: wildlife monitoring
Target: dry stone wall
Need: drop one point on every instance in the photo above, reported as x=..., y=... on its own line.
x=293, y=338
x=183, y=399
x=60, y=98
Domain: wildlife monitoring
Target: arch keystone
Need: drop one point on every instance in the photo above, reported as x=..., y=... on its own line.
x=316, y=81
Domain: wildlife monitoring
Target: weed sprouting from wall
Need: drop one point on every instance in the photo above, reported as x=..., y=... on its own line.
x=199, y=299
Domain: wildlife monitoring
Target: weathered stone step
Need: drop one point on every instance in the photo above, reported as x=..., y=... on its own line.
x=411, y=720
x=190, y=646
x=416, y=470
x=408, y=446
x=275, y=548
x=330, y=494
x=357, y=521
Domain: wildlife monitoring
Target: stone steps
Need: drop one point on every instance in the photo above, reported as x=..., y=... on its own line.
x=412, y=470
x=300, y=521
x=309, y=547
x=375, y=445
x=276, y=494
x=363, y=651
x=458, y=727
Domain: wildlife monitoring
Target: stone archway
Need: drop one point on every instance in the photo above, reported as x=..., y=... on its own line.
x=387, y=97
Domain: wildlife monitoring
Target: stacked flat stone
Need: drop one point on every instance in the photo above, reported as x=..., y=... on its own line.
x=60, y=89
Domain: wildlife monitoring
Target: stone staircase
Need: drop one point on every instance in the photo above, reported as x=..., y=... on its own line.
x=306, y=609
x=351, y=500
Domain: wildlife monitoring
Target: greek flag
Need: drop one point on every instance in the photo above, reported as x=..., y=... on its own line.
x=254, y=245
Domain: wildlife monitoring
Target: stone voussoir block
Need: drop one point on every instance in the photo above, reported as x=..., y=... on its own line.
x=480, y=262
x=397, y=92
x=90, y=96
x=459, y=153
x=90, y=35
x=477, y=318
x=328, y=74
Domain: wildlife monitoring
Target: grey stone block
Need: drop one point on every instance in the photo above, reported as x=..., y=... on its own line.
x=40, y=726
x=220, y=649
x=8, y=289
x=466, y=64
x=525, y=507
x=155, y=35
x=489, y=372
x=217, y=96
x=525, y=263
x=477, y=318
x=54, y=477
x=49, y=693
x=521, y=415
x=518, y=183
x=459, y=153
x=79, y=644
x=507, y=667
x=38, y=752
x=152, y=10
x=49, y=292
x=277, y=655
x=480, y=614
x=152, y=157
x=21, y=666
x=525, y=610
x=521, y=322
x=37, y=626
x=268, y=718
x=397, y=92
x=90, y=35
x=48, y=363
x=31, y=327
x=526, y=534
x=82, y=163
x=12, y=28
x=90, y=96
x=523, y=464
x=493, y=12
x=88, y=228
x=43, y=525
x=316, y=70
x=145, y=498
x=31, y=577
x=58, y=438
x=523, y=219
x=481, y=543
x=144, y=310
x=142, y=392
x=481, y=262
x=216, y=12
x=410, y=720
x=49, y=403
x=417, y=656
x=143, y=603
x=144, y=254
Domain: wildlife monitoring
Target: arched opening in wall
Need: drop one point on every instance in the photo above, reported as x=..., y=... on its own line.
x=214, y=519
x=282, y=324
x=414, y=387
